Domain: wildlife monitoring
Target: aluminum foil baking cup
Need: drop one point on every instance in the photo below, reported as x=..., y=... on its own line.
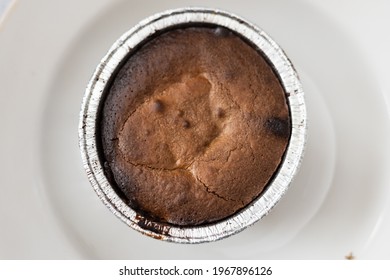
x=95, y=94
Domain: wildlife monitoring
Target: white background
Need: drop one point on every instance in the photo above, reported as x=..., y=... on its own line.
x=338, y=204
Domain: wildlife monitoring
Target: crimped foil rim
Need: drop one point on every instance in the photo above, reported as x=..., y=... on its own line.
x=96, y=88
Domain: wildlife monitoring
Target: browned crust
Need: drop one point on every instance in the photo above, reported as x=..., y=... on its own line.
x=194, y=126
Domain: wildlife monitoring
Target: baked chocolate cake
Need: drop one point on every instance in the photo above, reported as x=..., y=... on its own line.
x=194, y=126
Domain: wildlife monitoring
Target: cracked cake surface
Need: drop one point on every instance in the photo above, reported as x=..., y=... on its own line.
x=194, y=126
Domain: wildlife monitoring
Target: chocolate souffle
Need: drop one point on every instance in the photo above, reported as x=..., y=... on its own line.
x=194, y=126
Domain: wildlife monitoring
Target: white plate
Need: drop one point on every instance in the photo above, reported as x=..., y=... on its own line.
x=336, y=206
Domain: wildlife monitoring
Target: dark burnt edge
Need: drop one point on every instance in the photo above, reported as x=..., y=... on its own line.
x=98, y=136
